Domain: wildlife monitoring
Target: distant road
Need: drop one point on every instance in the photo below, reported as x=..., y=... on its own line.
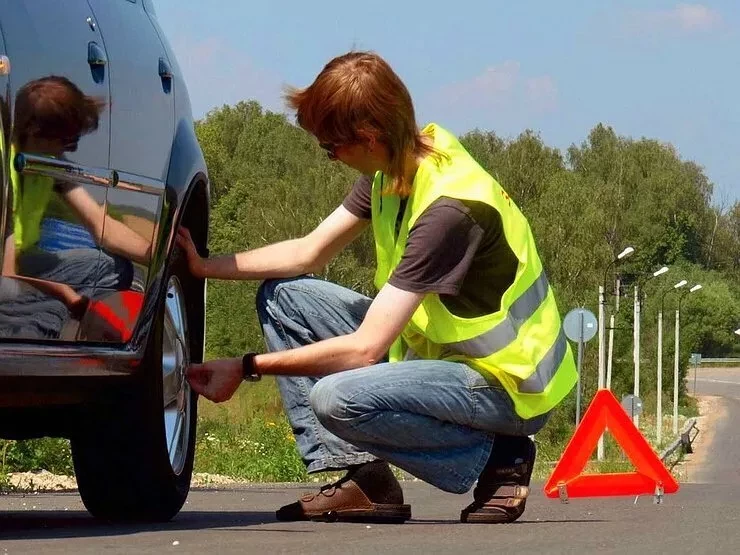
x=721, y=462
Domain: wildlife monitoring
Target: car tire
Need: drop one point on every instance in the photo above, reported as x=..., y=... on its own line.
x=130, y=461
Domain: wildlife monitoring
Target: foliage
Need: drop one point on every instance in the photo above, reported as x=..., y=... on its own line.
x=52, y=454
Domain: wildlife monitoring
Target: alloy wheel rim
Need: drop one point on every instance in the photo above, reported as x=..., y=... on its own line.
x=175, y=387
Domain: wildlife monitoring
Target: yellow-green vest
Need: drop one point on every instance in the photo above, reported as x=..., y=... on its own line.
x=522, y=345
x=31, y=197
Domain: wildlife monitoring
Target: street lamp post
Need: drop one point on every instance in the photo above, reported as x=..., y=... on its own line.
x=602, y=343
x=610, y=349
x=602, y=314
x=659, y=411
x=676, y=357
x=636, y=330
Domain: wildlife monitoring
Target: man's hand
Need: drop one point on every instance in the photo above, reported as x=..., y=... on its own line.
x=216, y=380
x=196, y=263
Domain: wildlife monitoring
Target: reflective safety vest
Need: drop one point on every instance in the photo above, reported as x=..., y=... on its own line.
x=522, y=345
x=30, y=200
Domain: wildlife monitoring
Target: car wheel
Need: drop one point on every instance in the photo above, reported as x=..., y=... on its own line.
x=134, y=459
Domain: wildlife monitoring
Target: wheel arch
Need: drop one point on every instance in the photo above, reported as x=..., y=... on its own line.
x=186, y=201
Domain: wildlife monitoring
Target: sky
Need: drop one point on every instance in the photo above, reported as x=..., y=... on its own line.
x=659, y=69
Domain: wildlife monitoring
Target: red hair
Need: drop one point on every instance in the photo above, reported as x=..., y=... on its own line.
x=357, y=96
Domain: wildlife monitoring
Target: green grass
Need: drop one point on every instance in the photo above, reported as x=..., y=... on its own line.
x=261, y=450
x=52, y=454
x=248, y=437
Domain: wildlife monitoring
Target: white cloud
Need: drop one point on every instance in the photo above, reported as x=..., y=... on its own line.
x=218, y=74
x=695, y=17
x=501, y=90
x=494, y=86
x=683, y=18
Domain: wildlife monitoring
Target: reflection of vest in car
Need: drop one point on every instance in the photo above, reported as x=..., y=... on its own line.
x=32, y=225
x=522, y=345
x=31, y=196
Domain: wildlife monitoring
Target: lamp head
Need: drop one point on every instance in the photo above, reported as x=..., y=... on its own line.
x=625, y=253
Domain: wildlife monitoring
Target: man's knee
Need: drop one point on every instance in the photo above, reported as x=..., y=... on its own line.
x=268, y=297
x=269, y=291
x=329, y=402
x=266, y=292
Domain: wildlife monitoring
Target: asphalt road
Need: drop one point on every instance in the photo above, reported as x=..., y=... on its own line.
x=702, y=517
x=723, y=465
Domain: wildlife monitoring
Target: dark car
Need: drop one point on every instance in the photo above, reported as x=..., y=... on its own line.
x=98, y=314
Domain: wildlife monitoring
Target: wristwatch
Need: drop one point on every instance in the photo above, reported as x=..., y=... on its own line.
x=249, y=373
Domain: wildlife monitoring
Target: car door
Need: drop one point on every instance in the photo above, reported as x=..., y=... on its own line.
x=142, y=119
x=56, y=162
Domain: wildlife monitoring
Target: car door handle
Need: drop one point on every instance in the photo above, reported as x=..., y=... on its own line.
x=165, y=70
x=63, y=170
x=96, y=55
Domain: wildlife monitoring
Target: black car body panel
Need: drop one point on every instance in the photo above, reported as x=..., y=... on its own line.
x=135, y=157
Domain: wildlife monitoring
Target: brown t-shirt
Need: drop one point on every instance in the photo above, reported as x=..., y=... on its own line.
x=456, y=249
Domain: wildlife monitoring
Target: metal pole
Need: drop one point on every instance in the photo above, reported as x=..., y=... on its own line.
x=675, y=372
x=636, y=351
x=580, y=365
x=601, y=337
x=610, y=355
x=618, y=289
x=602, y=301
x=659, y=415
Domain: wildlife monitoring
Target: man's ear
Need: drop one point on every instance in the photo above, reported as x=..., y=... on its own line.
x=368, y=137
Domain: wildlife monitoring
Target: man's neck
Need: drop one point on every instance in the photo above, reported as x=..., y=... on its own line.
x=413, y=161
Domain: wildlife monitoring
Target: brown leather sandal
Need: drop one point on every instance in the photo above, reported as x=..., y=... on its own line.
x=505, y=505
x=343, y=501
x=501, y=493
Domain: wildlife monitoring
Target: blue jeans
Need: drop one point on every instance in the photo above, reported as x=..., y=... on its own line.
x=29, y=313
x=435, y=419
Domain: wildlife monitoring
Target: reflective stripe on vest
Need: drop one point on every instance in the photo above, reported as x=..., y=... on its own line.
x=505, y=333
x=545, y=371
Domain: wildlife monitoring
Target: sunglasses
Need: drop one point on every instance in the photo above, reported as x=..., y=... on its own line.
x=331, y=150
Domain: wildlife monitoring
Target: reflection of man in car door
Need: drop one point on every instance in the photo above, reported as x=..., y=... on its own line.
x=50, y=116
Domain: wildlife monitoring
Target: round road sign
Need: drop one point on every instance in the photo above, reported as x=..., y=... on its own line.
x=580, y=324
x=632, y=404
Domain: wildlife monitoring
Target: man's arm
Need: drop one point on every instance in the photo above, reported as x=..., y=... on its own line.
x=284, y=259
x=388, y=314
x=9, y=256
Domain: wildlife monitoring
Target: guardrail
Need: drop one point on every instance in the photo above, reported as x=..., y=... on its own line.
x=683, y=441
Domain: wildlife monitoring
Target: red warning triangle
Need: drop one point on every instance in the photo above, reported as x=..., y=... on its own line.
x=606, y=412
